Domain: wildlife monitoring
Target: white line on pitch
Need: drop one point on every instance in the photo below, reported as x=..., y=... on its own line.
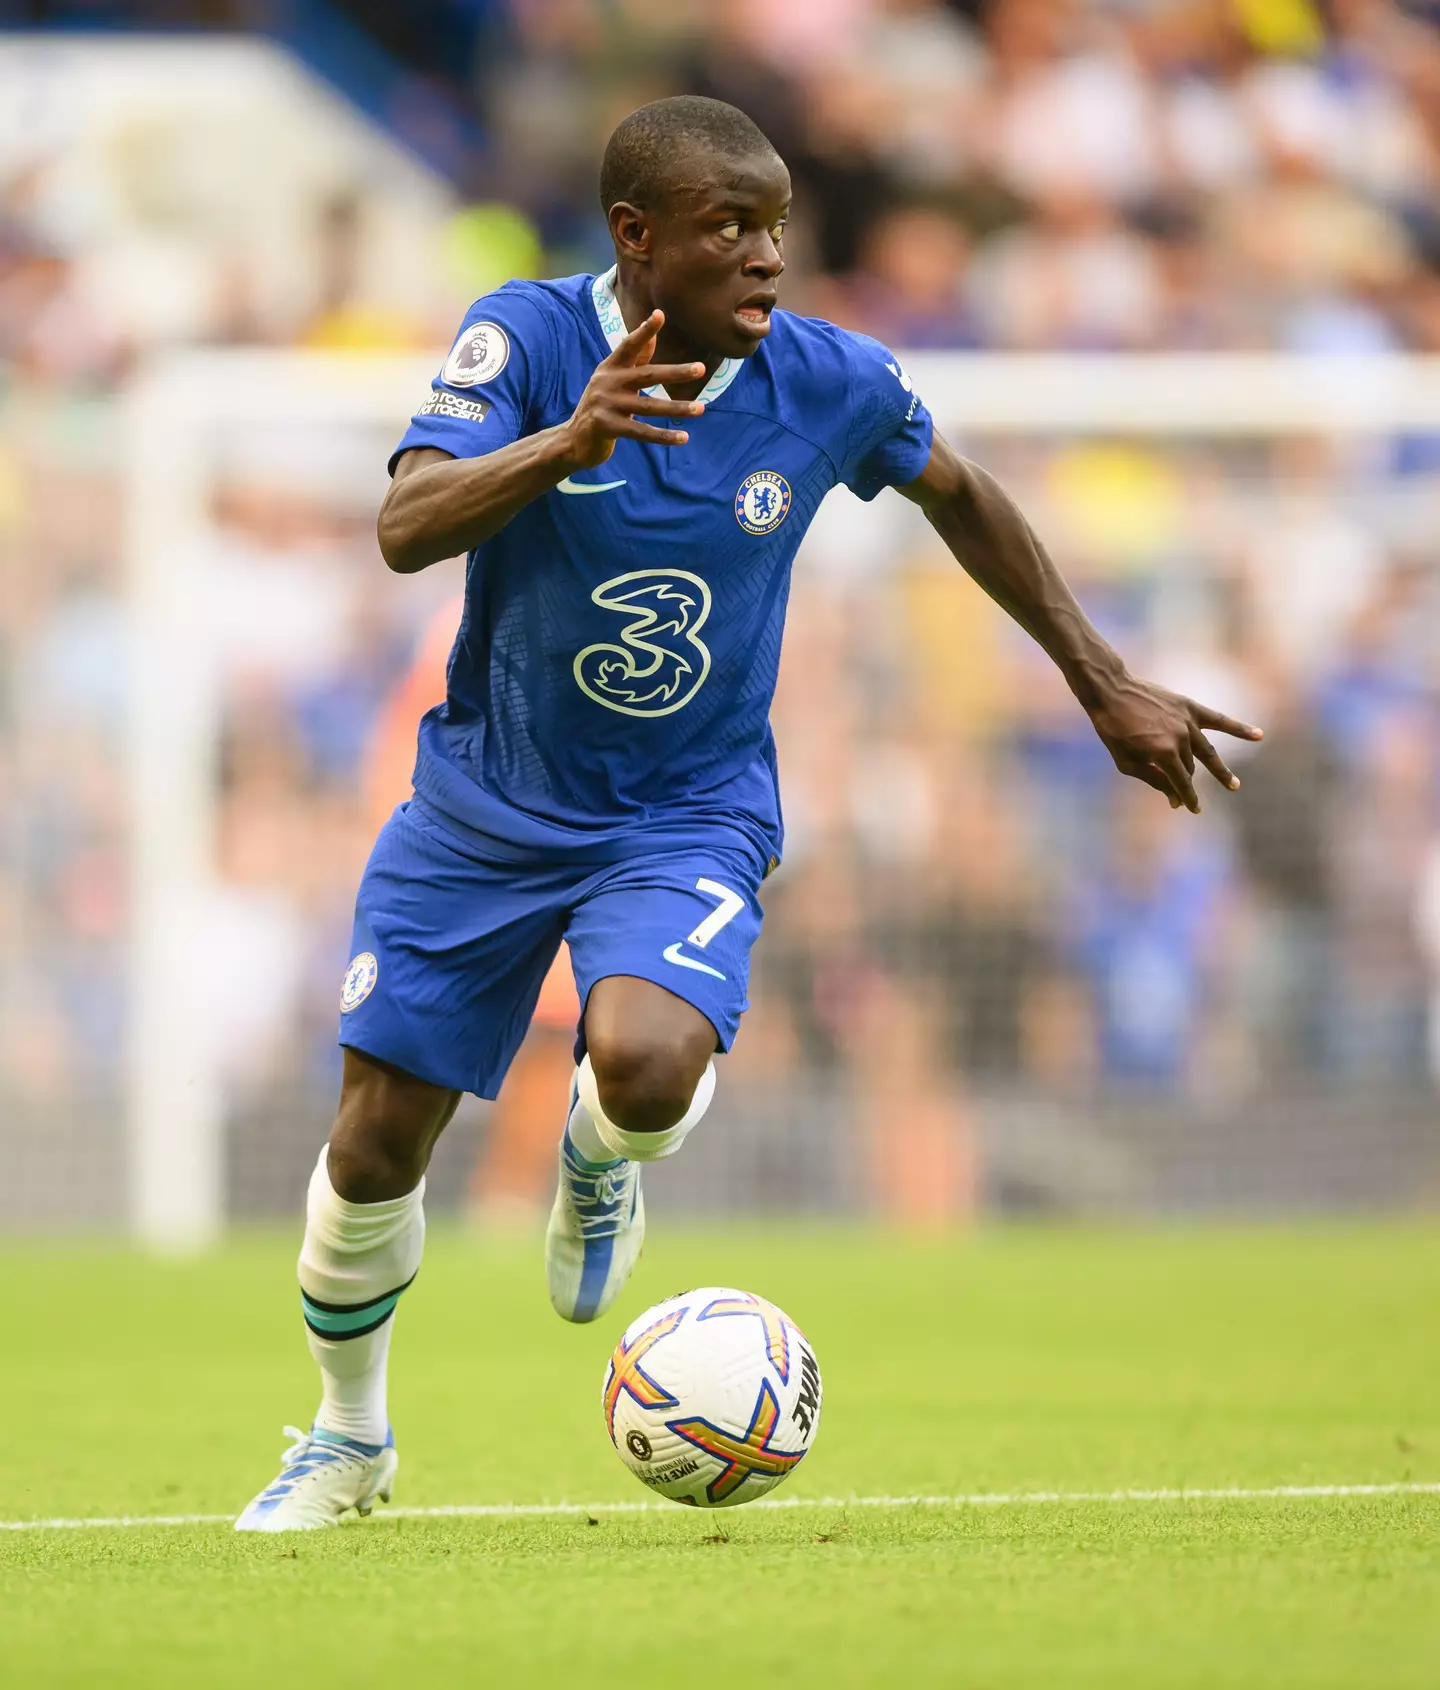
x=979, y=1499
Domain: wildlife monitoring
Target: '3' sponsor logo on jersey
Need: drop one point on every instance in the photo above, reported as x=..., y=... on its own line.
x=659, y=661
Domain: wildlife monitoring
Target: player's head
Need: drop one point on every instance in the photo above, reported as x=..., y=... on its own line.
x=697, y=200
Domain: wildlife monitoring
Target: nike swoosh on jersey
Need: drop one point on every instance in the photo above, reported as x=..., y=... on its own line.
x=569, y=486
x=673, y=953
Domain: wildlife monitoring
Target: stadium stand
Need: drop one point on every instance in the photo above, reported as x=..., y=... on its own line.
x=1159, y=1015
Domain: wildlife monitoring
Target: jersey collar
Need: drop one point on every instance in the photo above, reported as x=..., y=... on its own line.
x=612, y=326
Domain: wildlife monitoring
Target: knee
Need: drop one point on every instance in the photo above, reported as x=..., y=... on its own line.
x=646, y=1083
x=384, y=1131
x=373, y=1160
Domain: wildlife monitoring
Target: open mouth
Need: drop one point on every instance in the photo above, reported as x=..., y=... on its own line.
x=754, y=315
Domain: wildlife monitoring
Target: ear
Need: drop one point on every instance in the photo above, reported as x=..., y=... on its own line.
x=632, y=232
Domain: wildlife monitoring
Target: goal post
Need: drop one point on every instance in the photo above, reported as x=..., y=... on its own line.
x=175, y=1104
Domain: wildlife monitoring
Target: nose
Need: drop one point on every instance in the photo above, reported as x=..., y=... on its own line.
x=765, y=260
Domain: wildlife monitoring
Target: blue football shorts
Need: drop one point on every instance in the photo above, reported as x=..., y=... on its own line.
x=451, y=946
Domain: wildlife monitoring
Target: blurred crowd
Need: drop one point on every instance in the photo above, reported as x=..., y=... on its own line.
x=973, y=904
x=1020, y=173
x=959, y=836
x=1036, y=173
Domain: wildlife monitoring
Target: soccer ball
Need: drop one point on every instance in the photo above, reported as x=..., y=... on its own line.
x=712, y=1398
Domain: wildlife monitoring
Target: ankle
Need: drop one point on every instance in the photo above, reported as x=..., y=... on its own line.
x=584, y=1141
x=585, y=1163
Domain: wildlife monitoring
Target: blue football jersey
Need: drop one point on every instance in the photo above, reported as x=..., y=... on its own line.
x=609, y=689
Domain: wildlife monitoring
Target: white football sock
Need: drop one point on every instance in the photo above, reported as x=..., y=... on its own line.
x=585, y=1137
x=356, y=1260
x=639, y=1147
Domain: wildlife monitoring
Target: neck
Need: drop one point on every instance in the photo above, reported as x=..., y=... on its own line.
x=636, y=302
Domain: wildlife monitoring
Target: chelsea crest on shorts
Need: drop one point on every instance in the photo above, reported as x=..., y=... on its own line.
x=359, y=981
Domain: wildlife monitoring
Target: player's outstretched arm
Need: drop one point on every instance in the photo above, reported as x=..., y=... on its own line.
x=439, y=506
x=1155, y=735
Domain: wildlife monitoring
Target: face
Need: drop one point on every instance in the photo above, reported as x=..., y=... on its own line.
x=712, y=256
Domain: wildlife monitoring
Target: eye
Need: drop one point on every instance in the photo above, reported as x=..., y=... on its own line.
x=730, y=232
x=778, y=232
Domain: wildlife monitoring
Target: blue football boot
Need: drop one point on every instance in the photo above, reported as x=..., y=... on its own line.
x=322, y=1476
x=596, y=1231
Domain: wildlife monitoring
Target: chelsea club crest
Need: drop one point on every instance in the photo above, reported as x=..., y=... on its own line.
x=360, y=978
x=763, y=501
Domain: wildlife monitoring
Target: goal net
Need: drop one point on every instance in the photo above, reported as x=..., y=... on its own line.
x=994, y=975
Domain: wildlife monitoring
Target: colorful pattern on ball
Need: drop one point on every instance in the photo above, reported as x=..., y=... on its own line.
x=726, y=1404
x=742, y=1458
x=774, y=1322
x=626, y=1373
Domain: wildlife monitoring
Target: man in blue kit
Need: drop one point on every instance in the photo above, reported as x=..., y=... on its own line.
x=631, y=461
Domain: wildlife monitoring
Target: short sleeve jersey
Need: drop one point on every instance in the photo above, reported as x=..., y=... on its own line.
x=609, y=689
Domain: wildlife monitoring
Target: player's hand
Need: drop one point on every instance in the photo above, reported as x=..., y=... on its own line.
x=1158, y=736
x=612, y=405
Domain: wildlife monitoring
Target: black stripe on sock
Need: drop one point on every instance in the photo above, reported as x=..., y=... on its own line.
x=344, y=1337
x=356, y=1308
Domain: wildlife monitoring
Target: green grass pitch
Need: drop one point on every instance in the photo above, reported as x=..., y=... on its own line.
x=1011, y=1361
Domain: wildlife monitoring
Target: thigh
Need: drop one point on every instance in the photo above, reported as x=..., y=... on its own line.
x=682, y=920
x=448, y=956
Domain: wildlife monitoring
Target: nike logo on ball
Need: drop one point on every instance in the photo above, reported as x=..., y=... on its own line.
x=673, y=953
x=569, y=486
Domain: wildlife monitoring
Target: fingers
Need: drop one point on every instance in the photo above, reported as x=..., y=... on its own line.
x=1152, y=774
x=637, y=343
x=1171, y=770
x=664, y=375
x=1203, y=716
x=1179, y=770
x=646, y=406
x=1211, y=758
x=629, y=429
